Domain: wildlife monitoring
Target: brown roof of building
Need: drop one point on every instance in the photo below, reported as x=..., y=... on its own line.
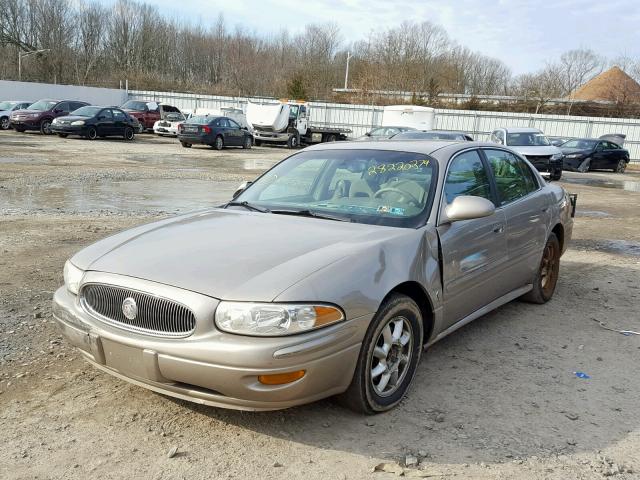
x=613, y=85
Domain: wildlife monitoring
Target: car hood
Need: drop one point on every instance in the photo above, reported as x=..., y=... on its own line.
x=231, y=254
x=72, y=118
x=569, y=151
x=539, y=150
x=22, y=111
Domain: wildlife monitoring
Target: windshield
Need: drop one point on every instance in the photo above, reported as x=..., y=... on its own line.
x=174, y=117
x=427, y=136
x=43, y=105
x=136, y=105
x=86, y=111
x=581, y=144
x=200, y=120
x=527, y=139
x=293, y=111
x=367, y=186
x=6, y=105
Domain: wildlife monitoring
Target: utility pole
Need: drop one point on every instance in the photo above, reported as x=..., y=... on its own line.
x=346, y=73
x=26, y=54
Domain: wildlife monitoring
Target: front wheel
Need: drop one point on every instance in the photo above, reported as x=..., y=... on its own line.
x=247, y=143
x=545, y=279
x=388, y=358
x=218, y=143
x=129, y=134
x=293, y=141
x=556, y=175
x=4, y=123
x=584, y=166
x=92, y=134
x=45, y=127
x=621, y=167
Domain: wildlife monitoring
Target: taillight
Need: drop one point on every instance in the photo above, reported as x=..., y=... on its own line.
x=206, y=129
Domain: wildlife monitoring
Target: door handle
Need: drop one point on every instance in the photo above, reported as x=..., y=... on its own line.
x=498, y=228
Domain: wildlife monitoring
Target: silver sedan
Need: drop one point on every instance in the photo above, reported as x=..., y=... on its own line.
x=328, y=275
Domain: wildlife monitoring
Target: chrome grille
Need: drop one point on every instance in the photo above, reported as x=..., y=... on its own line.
x=155, y=315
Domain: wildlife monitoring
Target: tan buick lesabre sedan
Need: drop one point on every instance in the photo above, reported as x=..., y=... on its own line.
x=327, y=275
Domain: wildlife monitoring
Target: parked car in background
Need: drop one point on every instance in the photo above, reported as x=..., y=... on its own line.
x=557, y=141
x=168, y=126
x=433, y=135
x=584, y=154
x=146, y=113
x=533, y=144
x=39, y=115
x=92, y=122
x=5, y=111
x=217, y=132
x=327, y=275
x=381, y=133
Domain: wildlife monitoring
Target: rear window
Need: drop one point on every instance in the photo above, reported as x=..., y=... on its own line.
x=136, y=105
x=199, y=120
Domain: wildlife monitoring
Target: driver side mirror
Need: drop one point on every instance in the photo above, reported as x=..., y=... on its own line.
x=243, y=186
x=466, y=207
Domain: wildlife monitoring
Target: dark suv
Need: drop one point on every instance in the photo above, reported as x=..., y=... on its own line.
x=39, y=115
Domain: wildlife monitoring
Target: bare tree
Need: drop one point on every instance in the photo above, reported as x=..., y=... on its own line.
x=575, y=68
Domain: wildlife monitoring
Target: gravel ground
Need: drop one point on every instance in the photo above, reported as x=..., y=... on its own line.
x=498, y=399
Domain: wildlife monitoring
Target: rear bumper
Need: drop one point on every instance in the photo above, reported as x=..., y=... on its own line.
x=196, y=139
x=218, y=369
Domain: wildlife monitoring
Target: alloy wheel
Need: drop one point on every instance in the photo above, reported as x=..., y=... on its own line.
x=391, y=356
x=622, y=165
x=46, y=127
x=4, y=123
x=549, y=268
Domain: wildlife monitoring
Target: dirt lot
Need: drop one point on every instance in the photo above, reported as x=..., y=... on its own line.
x=498, y=399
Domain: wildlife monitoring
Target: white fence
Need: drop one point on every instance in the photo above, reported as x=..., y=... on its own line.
x=480, y=124
x=32, y=92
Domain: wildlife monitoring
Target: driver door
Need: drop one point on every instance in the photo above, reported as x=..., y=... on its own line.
x=474, y=252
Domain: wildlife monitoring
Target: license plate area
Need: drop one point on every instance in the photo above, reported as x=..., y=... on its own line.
x=126, y=360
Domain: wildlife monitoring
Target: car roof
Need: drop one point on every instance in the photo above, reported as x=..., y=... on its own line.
x=521, y=130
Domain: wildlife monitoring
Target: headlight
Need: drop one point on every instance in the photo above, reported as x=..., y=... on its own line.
x=274, y=319
x=72, y=277
x=557, y=156
x=78, y=122
x=574, y=155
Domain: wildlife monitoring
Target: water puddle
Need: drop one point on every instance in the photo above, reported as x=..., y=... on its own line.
x=628, y=185
x=183, y=162
x=622, y=247
x=156, y=195
x=592, y=213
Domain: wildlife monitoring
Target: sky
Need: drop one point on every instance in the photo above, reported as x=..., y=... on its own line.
x=525, y=34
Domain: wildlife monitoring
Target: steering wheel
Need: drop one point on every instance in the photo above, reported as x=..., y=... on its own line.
x=403, y=195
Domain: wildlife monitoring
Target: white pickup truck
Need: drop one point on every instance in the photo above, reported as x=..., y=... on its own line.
x=288, y=122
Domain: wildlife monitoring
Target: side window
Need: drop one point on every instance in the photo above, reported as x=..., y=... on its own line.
x=232, y=123
x=600, y=147
x=223, y=122
x=76, y=105
x=513, y=176
x=467, y=176
x=106, y=113
x=118, y=115
x=63, y=107
x=494, y=136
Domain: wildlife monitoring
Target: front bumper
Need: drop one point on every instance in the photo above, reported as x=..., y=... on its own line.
x=165, y=131
x=215, y=368
x=27, y=124
x=68, y=129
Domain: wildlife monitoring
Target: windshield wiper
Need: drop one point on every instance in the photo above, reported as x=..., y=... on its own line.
x=309, y=213
x=248, y=206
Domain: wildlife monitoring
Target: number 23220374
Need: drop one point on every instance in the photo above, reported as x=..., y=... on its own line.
x=398, y=167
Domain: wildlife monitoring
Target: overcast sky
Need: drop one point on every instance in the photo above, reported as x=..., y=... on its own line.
x=523, y=33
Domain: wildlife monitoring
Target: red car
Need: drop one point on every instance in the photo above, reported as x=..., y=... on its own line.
x=39, y=115
x=146, y=113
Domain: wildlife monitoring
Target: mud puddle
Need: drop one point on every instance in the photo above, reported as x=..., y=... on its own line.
x=628, y=185
x=156, y=195
x=187, y=162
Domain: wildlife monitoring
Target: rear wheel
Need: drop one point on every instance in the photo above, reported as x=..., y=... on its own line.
x=331, y=137
x=218, y=143
x=247, y=143
x=91, y=133
x=45, y=127
x=4, y=123
x=388, y=358
x=129, y=133
x=185, y=144
x=621, y=167
x=545, y=279
x=584, y=166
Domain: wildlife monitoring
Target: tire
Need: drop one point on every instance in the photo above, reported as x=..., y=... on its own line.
x=129, y=134
x=247, y=143
x=185, y=144
x=331, y=137
x=91, y=134
x=546, y=278
x=45, y=127
x=621, y=167
x=364, y=395
x=293, y=142
x=556, y=175
x=63, y=135
x=5, y=123
x=258, y=143
x=218, y=143
x=584, y=166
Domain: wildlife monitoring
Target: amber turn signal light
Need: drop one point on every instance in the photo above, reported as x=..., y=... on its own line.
x=281, y=378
